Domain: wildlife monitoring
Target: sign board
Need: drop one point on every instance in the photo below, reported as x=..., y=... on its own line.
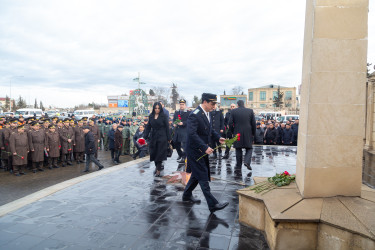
x=123, y=103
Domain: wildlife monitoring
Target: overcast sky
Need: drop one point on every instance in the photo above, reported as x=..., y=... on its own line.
x=72, y=52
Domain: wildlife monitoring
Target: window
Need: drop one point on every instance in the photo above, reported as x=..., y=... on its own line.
x=262, y=95
x=274, y=96
x=288, y=95
x=251, y=96
x=263, y=105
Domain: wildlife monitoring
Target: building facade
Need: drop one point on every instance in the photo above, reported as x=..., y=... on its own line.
x=227, y=100
x=262, y=98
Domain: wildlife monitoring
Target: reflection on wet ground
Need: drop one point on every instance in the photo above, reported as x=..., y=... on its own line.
x=131, y=209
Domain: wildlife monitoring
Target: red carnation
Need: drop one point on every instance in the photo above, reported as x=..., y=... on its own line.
x=141, y=141
x=238, y=137
x=22, y=157
x=59, y=146
x=286, y=173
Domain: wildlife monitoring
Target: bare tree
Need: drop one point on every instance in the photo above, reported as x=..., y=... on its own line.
x=161, y=93
x=237, y=90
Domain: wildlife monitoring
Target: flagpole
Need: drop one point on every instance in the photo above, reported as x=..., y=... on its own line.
x=139, y=81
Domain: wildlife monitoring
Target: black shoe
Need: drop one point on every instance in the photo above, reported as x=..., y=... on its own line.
x=226, y=156
x=78, y=162
x=17, y=174
x=56, y=166
x=218, y=206
x=69, y=163
x=34, y=171
x=85, y=171
x=178, y=158
x=63, y=165
x=191, y=199
x=100, y=168
x=248, y=166
x=40, y=169
x=81, y=161
x=50, y=167
x=133, y=156
x=115, y=162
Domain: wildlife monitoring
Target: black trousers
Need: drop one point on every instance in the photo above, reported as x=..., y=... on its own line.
x=117, y=155
x=248, y=155
x=91, y=158
x=205, y=186
x=179, y=146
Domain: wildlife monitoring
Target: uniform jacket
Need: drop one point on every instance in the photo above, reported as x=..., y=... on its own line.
x=19, y=144
x=242, y=121
x=126, y=132
x=79, y=139
x=5, y=135
x=217, y=120
x=65, y=134
x=180, y=130
x=53, y=144
x=199, y=134
x=227, y=131
x=96, y=132
x=37, y=139
x=90, y=143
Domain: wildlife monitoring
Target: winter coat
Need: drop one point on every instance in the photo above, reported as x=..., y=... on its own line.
x=37, y=139
x=90, y=143
x=65, y=134
x=79, y=140
x=288, y=136
x=19, y=144
x=118, y=140
x=96, y=132
x=53, y=144
x=228, y=131
x=217, y=120
x=180, y=130
x=242, y=121
x=271, y=136
x=111, y=139
x=295, y=132
x=138, y=135
x=259, y=133
x=157, y=133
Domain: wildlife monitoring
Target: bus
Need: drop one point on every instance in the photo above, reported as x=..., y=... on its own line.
x=79, y=114
x=26, y=113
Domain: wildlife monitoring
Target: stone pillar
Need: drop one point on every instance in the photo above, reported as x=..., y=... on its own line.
x=332, y=116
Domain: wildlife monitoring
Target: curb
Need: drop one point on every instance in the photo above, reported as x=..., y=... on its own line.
x=17, y=204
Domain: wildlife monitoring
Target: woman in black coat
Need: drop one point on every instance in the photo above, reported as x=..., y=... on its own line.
x=157, y=132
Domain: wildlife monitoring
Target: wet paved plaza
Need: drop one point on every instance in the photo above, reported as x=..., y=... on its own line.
x=131, y=209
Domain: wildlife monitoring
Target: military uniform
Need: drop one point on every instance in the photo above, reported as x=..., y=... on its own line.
x=19, y=147
x=79, y=146
x=132, y=130
x=66, y=134
x=36, y=138
x=126, y=139
x=180, y=132
x=95, y=130
x=200, y=133
x=53, y=146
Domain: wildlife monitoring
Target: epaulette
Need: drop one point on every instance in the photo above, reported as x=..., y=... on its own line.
x=196, y=111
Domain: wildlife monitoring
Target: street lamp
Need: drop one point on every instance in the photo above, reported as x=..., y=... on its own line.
x=10, y=92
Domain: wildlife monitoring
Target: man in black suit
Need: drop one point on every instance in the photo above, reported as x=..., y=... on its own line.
x=242, y=121
x=200, y=132
x=90, y=149
x=217, y=121
x=180, y=130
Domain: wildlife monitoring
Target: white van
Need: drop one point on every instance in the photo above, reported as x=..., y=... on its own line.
x=84, y=113
x=26, y=113
x=285, y=118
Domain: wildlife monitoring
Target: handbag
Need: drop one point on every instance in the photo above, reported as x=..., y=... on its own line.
x=169, y=150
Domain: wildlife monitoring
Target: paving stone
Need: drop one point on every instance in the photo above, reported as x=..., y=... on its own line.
x=214, y=241
x=23, y=242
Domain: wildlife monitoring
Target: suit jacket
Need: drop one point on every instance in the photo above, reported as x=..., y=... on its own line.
x=199, y=132
x=90, y=143
x=242, y=121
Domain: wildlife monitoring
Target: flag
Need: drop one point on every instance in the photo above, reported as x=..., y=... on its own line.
x=136, y=79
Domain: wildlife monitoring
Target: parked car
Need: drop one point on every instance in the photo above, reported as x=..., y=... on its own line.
x=285, y=118
x=26, y=113
x=7, y=114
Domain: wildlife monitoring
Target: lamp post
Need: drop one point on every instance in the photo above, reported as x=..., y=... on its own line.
x=10, y=92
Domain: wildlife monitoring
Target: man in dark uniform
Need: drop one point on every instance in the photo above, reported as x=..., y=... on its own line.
x=199, y=132
x=227, y=129
x=242, y=121
x=179, y=136
x=217, y=121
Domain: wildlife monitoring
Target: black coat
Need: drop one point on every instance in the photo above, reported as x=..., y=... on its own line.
x=270, y=136
x=295, y=132
x=111, y=139
x=242, y=121
x=180, y=131
x=227, y=131
x=118, y=140
x=157, y=133
x=199, y=132
x=288, y=136
x=259, y=133
x=90, y=143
